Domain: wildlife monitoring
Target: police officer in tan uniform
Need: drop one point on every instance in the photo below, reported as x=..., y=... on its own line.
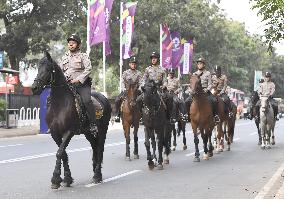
x=77, y=68
x=267, y=89
x=174, y=88
x=206, y=82
x=158, y=74
x=130, y=74
x=219, y=84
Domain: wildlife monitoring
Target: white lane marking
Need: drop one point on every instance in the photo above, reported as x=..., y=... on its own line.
x=253, y=133
x=114, y=178
x=54, y=153
x=191, y=154
x=10, y=145
x=280, y=193
x=236, y=139
x=270, y=183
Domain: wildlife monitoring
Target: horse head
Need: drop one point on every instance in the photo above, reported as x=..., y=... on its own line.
x=264, y=104
x=150, y=90
x=254, y=97
x=132, y=90
x=195, y=84
x=47, y=72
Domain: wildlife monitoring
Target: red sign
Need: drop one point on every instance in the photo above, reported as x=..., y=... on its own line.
x=12, y=80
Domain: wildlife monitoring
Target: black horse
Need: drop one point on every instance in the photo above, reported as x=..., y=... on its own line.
x=254, y=113
x=63, y=120
x=156, y=121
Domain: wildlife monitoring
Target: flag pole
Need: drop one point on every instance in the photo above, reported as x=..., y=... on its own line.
x=88, y=28
x=161, y=46
x=104, y=67
x=120, y=47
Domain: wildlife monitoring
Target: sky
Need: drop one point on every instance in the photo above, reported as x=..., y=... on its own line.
x=239, y=10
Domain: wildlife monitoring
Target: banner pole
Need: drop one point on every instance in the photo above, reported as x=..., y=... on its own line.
x=88, y=28
x=120, y=48
x=161, y=46
x=104, y=68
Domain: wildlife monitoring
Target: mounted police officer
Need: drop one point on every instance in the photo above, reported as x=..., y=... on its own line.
x=206, y=82
x=267, y=89
x=219, y=84
x=130, y=74
x=174, y=88
x=77, y=68
x=158, y=74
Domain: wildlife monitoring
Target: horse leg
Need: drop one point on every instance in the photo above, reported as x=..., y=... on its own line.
x=263, y=136
x=153, y=142
x=175, y=138
x=211, y=148
x=184, y=137
x=99, y=152
x=147, y=146
x=62, y=143
x=167, y=144
x=259, y=132
x=205, y=141
x=126, y=128
x=161, y=140
x=268, y=135
x=272, y=136
x=135, y=152
x=196, y=142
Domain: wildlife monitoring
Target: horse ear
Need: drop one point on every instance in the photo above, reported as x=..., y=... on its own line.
x=47, y=55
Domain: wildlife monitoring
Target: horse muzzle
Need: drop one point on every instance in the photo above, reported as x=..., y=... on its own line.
x=36, y=90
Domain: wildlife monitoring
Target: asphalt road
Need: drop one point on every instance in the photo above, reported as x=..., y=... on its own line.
x=245, y=172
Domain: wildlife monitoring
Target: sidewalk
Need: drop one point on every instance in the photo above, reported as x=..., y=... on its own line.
x=34, y=130
x=21, y=131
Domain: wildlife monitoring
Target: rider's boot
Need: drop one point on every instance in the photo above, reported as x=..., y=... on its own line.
x=91, y=112
x=118, y=102
x=187, y=103
x=275, y=110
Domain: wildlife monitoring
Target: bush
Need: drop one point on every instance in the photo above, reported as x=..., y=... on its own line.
x=2, y=109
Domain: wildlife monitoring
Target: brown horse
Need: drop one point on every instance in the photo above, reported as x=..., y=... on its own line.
x=131, y=117
x=201, y=117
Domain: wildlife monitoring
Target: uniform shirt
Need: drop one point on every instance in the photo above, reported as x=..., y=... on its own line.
x=206, y=81
x=220, y=83
x=76, y=66
x=134, y=75
x=266, y=89
x=156, y=73
x=173, y=84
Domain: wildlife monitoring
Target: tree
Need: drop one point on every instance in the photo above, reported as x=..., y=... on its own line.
x=272, y=13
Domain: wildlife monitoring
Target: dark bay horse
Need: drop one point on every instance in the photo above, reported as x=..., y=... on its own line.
x=254, y=113
x=63, y=120
x=130, y=117
x=201, y=117
x=155, y=122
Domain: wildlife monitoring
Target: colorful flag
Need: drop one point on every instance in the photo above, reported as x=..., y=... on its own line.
x=108, y=8
x=177, y=49
x=257, y=77
x=186, y=65
x=97, y=22
x=127, y=28
x=166, y=47
x=1, y=59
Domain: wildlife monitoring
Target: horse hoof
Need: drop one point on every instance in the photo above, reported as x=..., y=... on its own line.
x=273, y=143
x=196, y=159
x=268, y=147
x=55, y=186
x=220, y=150
x=173, y=148
x=210, y=154
x=151, y=165
x=262, y=147
x=68, y=180
x=66, y=184
x=127, y=158
x=184, y=147
x=166, y=161
x=228, y=149
x=136, y=157
x=205, y=157
x=160, y=167
x=259, y=143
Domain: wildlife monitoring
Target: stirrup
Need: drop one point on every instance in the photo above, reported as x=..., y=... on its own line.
x=173, y=120
x=217, y=119
x=94, y=129
x=231, y=114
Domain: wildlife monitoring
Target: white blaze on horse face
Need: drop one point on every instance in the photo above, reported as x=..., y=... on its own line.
x=264, y=104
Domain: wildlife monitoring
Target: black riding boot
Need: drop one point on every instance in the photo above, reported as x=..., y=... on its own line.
x=91, y=112
x=118, y=102
x=214, y=105
x=275, y=110
x=187, y=103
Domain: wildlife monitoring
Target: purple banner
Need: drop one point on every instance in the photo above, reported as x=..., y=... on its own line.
x=97, y=22
x=177, y=49
x=108, y=8
x=127, y=28
x=166, y=47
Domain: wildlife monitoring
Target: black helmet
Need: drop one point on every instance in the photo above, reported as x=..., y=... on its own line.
x=74, y=37
x=132, y=59
x=171, y=71
x=217, y=69
x=155, y=54
x=202, y=60
x=267, y=74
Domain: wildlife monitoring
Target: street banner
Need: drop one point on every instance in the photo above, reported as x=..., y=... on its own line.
x=97, y=20
x=177, y=51
x=127, y=18
x=12, y=80
x=186, y=65
x=167, y=45
x=1, y=59
x=257, y=77
x=108, y=8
